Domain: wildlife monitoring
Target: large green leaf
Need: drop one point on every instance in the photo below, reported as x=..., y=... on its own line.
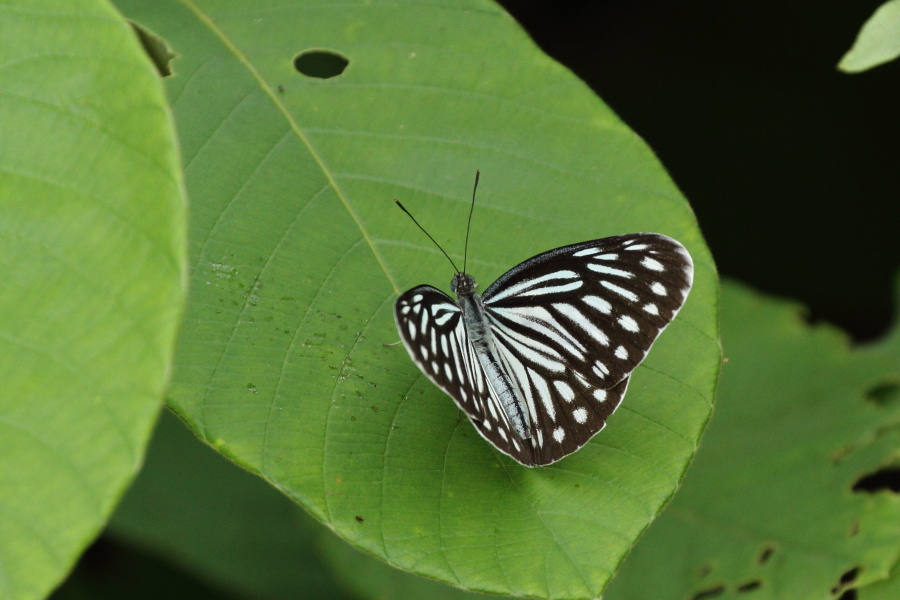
x=92, y=251
x=775, y=502
x=297, y=255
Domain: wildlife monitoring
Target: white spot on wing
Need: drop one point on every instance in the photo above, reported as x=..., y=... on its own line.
x=580, y=415
x=652, y=264
x=559, y=434
x=610, y=271
x=637, y=247
x=544, y=394
x=600, y=395
x=628, y=324
x=620, y=291
x=564, y=390
x=651, y=308
x=621, y=352
x=598, y=303
x=658, y=288
x=555, y=289
x=577, y=317
x=587, y=252
x=442, y=320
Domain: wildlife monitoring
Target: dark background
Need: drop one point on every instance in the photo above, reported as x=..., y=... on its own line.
x=792, y=167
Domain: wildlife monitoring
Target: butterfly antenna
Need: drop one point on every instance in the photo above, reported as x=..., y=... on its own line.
x=403, y=208
x=469, y=224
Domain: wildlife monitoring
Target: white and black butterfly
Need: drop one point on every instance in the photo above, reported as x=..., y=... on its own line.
x=543, y=357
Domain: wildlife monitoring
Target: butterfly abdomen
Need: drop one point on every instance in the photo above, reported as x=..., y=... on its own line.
x=482, y=340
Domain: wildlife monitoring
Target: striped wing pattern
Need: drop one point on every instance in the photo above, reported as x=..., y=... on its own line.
x=570, y=325
x=439, y=344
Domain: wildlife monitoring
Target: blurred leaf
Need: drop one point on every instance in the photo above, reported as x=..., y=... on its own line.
x=878, y=41
x=298, y=254
x=92, y=252
x=196, y=510
x=772, y=504
x=114, y=570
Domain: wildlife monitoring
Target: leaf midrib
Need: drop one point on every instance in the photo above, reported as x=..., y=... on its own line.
x=298, y=131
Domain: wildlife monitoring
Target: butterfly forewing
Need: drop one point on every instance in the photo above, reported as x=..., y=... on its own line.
x=570, y=325
x=595, y=307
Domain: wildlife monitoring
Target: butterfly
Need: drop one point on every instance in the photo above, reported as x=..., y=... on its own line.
x=542, y=358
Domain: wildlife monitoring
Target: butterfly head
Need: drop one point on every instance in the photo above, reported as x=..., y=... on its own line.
x=463, y=284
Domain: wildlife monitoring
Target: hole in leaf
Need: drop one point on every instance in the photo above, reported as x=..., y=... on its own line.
x=704, y=570
x=886, y=478
x=320, y=64
x=709, y=593
x=156, y=48
x=765, y=555
x=750, y=586
x=846, y=581
x=884, y=393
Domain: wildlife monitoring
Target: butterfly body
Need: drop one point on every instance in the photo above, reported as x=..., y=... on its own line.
x=478, y=330
x=544, y=356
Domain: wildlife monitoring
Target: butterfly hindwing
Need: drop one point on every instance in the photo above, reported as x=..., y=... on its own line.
x=430, y=324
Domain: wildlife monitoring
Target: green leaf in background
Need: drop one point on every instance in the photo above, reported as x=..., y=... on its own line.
x=773, y=503
x=92, y=251
x=196, y=510
x=193, y=509
x=297, y=255
x=878, y=41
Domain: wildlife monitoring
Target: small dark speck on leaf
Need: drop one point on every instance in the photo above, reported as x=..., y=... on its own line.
x=749, y=586
x=884, y=393
x=709, y=593
x=359, y=518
